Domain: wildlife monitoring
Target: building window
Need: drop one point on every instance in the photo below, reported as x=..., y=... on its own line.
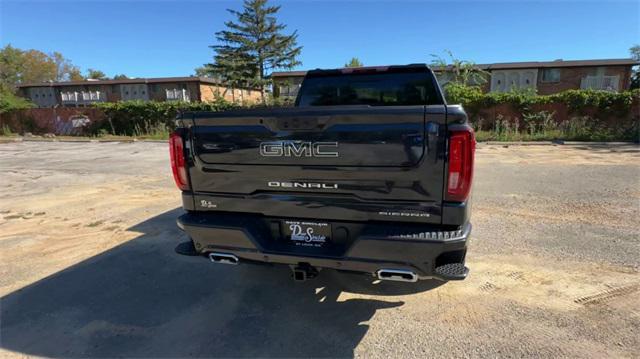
x=513, y=80
x=177, y=95
x=550, y=75
x=606, y=83
x=133, y=92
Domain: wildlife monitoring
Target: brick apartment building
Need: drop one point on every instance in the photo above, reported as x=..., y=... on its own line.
x=546, y=77
x=83, y=93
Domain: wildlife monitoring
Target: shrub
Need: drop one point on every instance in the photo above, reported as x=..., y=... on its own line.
x=140, y=118
x=472, y=98
x=590, y=115
x=10, y=102
x=463, y=95
x=576, y=100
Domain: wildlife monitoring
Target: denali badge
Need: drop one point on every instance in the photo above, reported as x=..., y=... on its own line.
x=298, y=149
x=303, y=185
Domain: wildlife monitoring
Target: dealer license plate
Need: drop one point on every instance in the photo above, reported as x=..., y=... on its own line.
x=307, y=233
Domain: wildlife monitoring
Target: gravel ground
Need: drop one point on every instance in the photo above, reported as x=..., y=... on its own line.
x=87, y=268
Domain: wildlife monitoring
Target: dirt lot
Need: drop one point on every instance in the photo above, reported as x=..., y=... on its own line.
x=87, y=267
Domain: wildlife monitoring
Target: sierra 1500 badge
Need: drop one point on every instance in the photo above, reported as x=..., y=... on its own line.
x=298, y=149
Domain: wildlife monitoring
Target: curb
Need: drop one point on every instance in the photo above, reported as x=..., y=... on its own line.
x=556, y=143
x=79, y=140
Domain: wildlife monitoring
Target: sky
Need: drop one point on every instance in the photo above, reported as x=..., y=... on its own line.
x=171, y=38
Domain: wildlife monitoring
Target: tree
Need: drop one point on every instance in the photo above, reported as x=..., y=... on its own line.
x=202, y=71
x=96, y=74
x=75, y=75
x=120, y=77
x=254, y=45
x=635, y=75
x=354, y=62
x=65, y=70
x=11, y=66
x=25, y=66
x=635, y=52
x=461, y=72
x=38, y=67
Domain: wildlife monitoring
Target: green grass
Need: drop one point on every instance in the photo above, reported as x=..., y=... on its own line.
x=541, y=126
x=156, y=134
x=552, y=135
x=159, y=137
x=6, y=131
x=158, y=131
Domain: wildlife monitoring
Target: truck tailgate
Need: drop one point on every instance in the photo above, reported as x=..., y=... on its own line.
x=389, y=163
x=344, y=136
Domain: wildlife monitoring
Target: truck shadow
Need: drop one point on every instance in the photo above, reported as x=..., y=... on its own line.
x=142, y=299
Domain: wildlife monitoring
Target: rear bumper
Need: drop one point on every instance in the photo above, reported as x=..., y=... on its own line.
x=364, y=247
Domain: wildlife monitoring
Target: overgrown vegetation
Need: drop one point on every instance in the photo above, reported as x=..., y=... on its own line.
x=5, y=130
x=592, y=115
x=147, y=119
x=456, y=71
x=542, y=126
x=11, y=102
x=473, y=99
x=523, y=115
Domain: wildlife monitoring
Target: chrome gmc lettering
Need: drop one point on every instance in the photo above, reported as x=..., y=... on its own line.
x=298, y=149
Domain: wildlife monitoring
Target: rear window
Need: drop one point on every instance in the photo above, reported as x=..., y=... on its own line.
x=387, y=89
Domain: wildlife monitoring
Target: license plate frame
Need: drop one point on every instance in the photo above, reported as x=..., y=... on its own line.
x=305, y=233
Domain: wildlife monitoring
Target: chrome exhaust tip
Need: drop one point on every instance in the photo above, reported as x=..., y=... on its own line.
x=223, y=258
x=398, y=275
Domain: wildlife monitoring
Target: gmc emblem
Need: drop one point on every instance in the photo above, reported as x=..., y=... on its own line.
x=298, y=149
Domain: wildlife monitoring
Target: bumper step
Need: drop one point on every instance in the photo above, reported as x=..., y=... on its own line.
x=452, y=271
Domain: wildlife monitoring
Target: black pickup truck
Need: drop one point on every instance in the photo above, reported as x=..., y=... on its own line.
x=370, y=172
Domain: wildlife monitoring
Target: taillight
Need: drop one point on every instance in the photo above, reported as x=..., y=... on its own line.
x=462, y=147
x=176, y=150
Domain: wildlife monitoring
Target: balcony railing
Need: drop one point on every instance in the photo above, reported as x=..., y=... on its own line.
x=607, y=83
x=69, y=97
x=177, y=95
x=82, y=97
x=92, y=96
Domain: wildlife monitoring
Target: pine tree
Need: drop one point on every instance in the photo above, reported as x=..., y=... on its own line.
x=354, y=62
x=252, y=46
